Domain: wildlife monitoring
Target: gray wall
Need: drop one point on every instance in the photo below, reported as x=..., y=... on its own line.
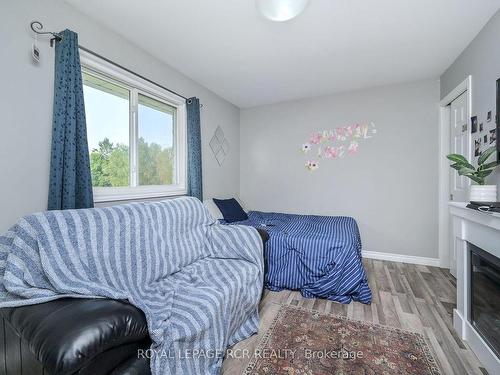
x=390, y=187
x=26, y=103
x=481, y=59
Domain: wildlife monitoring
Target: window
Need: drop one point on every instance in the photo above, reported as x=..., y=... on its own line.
x=136, y=134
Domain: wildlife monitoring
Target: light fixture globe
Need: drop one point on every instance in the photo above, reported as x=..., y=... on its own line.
x=281, y=10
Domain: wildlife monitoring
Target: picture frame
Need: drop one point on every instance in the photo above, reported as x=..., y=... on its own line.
x=473, y=122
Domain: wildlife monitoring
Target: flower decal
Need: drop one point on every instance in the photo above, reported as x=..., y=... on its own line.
x=353, y=148
x=316, y=138
x=333, y=152
x=312, y=165
x=337, y=143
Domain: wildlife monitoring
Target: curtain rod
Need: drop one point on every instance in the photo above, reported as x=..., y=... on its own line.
x=37, y=27
x=131, y=72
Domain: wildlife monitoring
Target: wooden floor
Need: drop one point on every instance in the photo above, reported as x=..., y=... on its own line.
x=415, y=298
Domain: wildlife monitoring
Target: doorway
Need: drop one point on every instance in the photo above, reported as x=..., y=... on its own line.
x=454, y=137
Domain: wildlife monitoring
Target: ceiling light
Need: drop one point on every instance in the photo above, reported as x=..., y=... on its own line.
x=281, y=10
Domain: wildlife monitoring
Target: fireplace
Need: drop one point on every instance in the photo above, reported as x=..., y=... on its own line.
x=485, y=296
x=476, y=319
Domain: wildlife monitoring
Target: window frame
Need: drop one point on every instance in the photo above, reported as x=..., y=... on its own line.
x=136, y=85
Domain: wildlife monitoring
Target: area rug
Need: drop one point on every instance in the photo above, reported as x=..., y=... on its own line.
x=306, y=342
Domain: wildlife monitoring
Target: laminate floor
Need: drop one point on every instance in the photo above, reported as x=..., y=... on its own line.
x=411, y=297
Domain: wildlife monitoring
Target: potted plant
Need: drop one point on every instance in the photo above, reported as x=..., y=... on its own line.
x=479, y=192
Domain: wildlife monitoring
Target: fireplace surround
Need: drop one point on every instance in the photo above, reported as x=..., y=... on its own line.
x=475, y=237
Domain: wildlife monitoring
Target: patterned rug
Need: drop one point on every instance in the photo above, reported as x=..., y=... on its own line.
x=306, y=342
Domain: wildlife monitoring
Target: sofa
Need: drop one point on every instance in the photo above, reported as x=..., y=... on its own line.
x=73, y=336
x=76, y=336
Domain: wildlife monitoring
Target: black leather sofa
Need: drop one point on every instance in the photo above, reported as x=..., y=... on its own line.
x=75, y=336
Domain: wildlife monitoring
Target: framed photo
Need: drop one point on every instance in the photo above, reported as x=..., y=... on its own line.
x=485, y=140
x=493, y=136
x=481, y=127
x=489, y=116
x=477, y=147
x=473, y=121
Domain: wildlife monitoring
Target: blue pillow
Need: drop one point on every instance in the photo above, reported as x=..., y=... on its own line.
x=231, y=210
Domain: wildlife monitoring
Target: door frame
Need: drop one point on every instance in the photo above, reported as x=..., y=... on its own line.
x=444, y=165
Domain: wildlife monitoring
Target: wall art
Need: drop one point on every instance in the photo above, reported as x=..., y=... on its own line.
x=477, y=147
x=473, y=121
x=493, y=136
x=336, y=143
x=219, y=145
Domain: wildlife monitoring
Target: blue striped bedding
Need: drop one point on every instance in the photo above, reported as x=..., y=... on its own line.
x=318, y=255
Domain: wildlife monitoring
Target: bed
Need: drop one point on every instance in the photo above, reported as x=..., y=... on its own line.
x=318, y=255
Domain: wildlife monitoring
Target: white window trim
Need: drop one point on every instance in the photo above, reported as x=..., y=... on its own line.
x=110, y=194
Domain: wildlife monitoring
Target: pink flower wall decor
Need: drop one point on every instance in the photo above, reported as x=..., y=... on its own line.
x=331, y=152
x=353, y=148
x=316, y=138
x=337, y=142
x=312, y=165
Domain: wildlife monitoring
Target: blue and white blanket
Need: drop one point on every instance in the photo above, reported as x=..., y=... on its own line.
x=198, y=284
x=318, y=255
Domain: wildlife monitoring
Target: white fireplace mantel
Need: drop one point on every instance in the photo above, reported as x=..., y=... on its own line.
x=483, y=230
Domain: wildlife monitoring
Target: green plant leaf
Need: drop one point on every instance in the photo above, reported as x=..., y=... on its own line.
x=457, y=166
x=484, y=173
x=460, y=165
x=457, y=158
x=485, y=155
x=477, y=179
x=464, y=171
x=491, y=165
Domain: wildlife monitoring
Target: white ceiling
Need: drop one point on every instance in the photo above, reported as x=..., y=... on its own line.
x=334, y=46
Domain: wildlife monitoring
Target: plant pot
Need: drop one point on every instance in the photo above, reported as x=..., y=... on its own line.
x=483, y=193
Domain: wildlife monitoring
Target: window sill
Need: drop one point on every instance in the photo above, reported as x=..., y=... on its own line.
x=107, y=195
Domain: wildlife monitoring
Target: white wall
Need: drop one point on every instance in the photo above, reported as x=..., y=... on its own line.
x=390, y=187
x=481, y=59
x=26, y=103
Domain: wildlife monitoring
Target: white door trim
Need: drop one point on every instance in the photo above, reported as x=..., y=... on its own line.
x=444, y=165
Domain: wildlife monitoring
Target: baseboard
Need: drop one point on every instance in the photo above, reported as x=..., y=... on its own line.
x=458, y=323
x=483, y=352
x=434, y=262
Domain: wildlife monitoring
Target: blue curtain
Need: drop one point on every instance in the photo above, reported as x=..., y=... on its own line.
x=194, y=178
x=70, y=178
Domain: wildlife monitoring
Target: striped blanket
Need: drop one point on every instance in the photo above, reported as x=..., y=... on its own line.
x=318, y=255
x=198, y=284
